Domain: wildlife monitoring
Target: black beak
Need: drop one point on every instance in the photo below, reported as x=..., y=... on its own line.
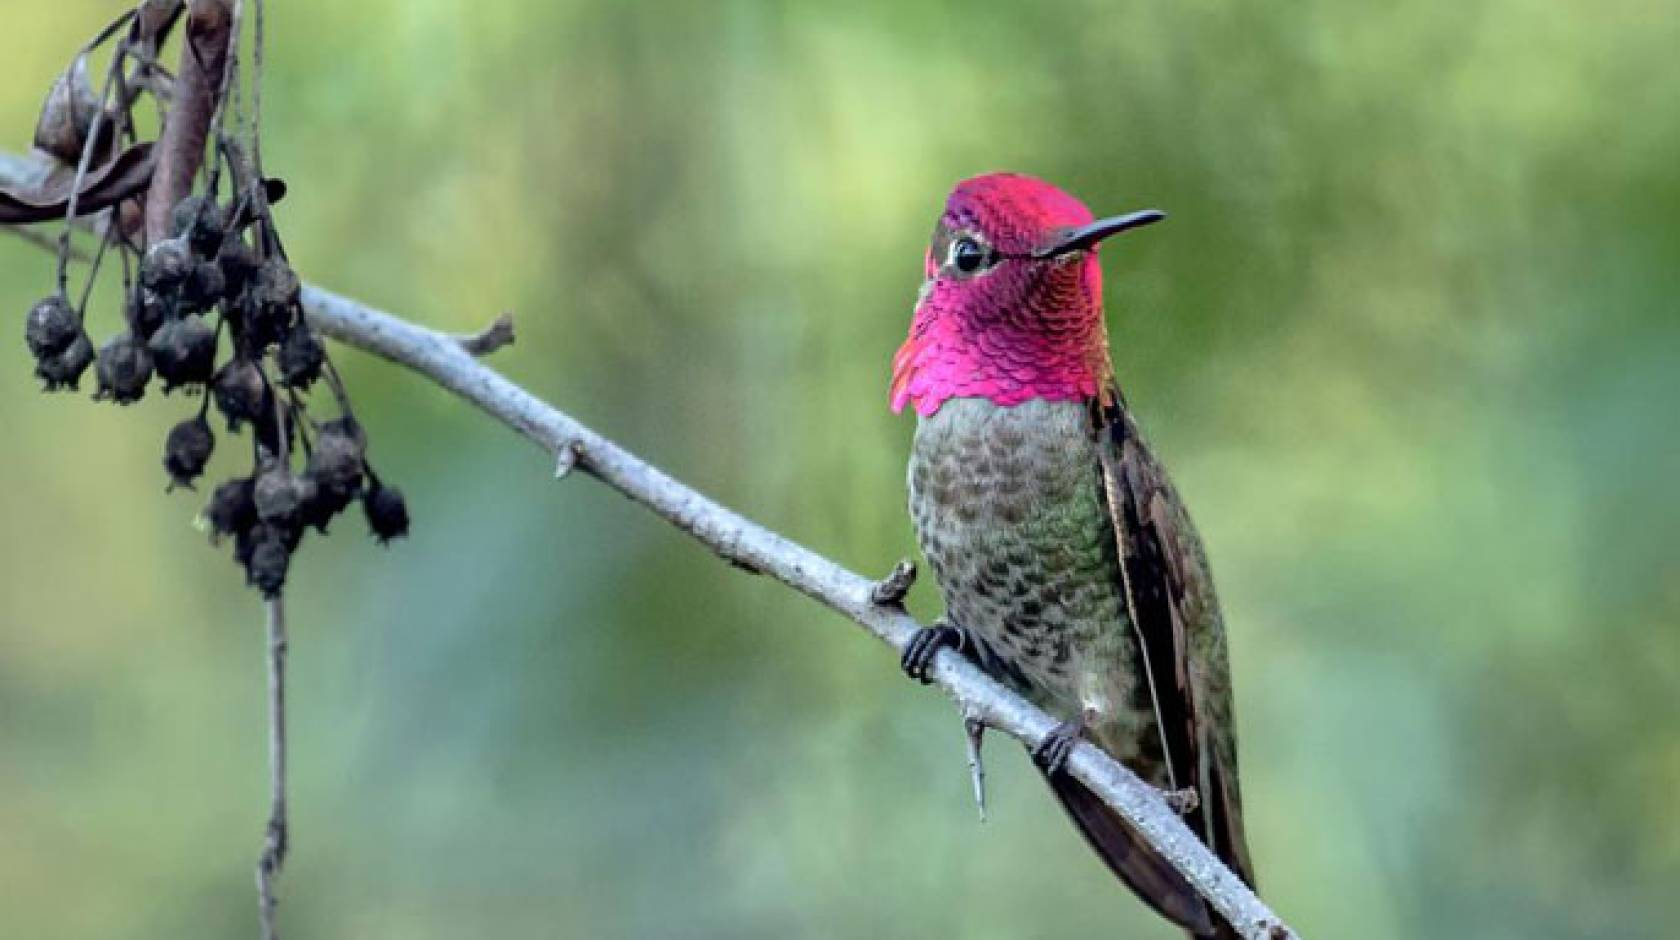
x=1087, y=236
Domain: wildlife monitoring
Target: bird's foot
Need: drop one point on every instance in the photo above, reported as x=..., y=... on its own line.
x=1183, y=802
x=926, y=643
x=1052, y=753
x=891, y=590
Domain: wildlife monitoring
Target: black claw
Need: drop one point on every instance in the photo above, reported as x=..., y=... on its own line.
x=924, y=645
x=1052, y=753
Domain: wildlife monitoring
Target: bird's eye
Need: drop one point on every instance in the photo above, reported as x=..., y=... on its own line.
x=967, y=255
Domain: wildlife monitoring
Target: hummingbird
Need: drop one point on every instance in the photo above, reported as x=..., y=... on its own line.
x=1068, y=564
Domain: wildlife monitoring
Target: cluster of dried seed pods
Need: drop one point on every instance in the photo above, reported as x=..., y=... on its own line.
x=210, y=309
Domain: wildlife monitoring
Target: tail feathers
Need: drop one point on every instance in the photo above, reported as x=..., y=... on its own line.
x=1136, y=863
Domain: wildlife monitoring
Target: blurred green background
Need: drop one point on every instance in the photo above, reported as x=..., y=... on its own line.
x=1410, y=342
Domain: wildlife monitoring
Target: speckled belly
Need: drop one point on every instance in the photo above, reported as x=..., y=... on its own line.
x=1008, y=507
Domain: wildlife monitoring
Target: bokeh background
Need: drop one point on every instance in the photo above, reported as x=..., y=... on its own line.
x=1410, y=342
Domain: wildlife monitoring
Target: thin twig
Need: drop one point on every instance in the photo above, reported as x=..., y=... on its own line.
x=82, y=165
x=974, y=732
x=258, y=38
x=441, y=358
x=566, y=459
x=891, y=590
x=275, y=836
x=110, y=30
x=489, y=339
x=218, y=121
x=93, y=268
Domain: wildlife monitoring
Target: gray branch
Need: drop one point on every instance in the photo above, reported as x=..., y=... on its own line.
x=449, y=362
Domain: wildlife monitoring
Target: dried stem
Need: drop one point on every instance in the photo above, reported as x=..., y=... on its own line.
x=218, y=121
x=258, y=41
x=198, y=81
x=974, y=735
x=275, y=837
x=83, y=164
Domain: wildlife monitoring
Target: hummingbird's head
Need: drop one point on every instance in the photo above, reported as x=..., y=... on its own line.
x=1012, y=305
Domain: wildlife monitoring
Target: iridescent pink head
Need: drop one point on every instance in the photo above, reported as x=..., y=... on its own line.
x=1012, y=305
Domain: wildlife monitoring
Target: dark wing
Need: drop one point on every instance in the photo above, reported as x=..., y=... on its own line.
x=1132, y=859
x=1169, y=596
x=1169, y=593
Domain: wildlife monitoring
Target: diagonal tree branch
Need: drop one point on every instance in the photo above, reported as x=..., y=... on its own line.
x=448, y=361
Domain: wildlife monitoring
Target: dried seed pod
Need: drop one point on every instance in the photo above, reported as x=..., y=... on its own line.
x=241, y=393
x=65, y=369
x=300, y=357
x=276, y=284
x=257, y=325
x=387, y=514
x=325, y=503
x=51, y=326
x=280, y=496
x=183, y=352
x=244, y=541
x=203, y=288
x=267, y=559
x=187, y=450
x=338, y=456
x=233, y=507
x=124, y=369
x=270, y=300
x=168, y=263
x=239, y=263
x=146, y=310
x=202, y=221
x=336, y=466
x=67, y=115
